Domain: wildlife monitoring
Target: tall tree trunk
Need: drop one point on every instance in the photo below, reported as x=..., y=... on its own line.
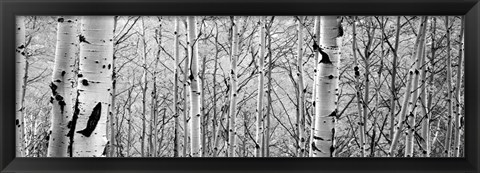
x=62, y=85
x=195, y=93
x=95, y=83
x=266, y=134
x=186, y=84
x=233, y=77
x=394, y=76
x=261, y=74
x=144, y=92
x=21, y=63
x=458, y=125
x=327, y=87
x=176, y=55
x=154, y=101
x=426, y=123
x=425, y=111
x=316, y=41
x=357, y=88
x=420, y=60
x=448, y=136
x=130, y=120
x=408, y=92
x=301, y=89
x=112, y=112
x=203, y=117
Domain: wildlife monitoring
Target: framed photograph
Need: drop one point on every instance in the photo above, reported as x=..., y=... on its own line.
x=239, y=86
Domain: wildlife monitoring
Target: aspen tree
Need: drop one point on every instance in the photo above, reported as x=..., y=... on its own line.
x=176, y=55
x=62, y=85
x=418, y=64
x=144, y=92
x=448, y=136
x=88, y=126
x=316, y=41
x=154, y=102
x=301, y=89
x=261, y=74
x=186, y=84
x=20, y=73
x=394, y=76
x=113, y=97
x=233, y=77
x=408, y=90
x=426, y=122
x=357, y=88
x=195, y=145
x=458, y=125
x=327, y=86
x=266, y=134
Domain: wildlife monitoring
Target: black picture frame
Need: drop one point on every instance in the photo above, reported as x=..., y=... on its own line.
x=9, y=8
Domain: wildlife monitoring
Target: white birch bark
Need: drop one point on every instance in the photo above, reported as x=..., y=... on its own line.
x=261, y=75
x=458, y=110
x=95, y=83
x=420, y=60
x=63, y=86
x=316, y=41
x=327, y=87
x=21, y=62
x=403, y=112
x=195, y=131
x=301, y=89
x=233, y=77
x=176, y=55
x=448, y=136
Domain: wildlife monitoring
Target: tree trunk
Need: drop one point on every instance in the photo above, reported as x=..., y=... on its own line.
x=420, y=60
x=261, y=74
x=195, y=93
x=19, y=90
x=301, y=89
x=144, y=81
x=95, y=83
x=448, y=136
x=176, y=141
x=266, y=134
x=394, y=76
x=327, y=87
x=62, y=85
x=316, y=41
x=358, y=92
x=112, y=112
x=458, y=125
x=403, y=111
x=233, y=77
x=186, y=84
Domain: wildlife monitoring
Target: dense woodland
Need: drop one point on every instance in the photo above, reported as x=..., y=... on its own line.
x=239, y=86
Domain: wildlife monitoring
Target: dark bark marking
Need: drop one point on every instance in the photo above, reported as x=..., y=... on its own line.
x=82, y=39
x=60, y=20
x=17, y=122
x=109, y=66
x=80, y=75
x=63, y=73
x=53, y=87
x=330, y=77
x=92, y=120
x=71, y=124
x=325, y=58
x=85, y=82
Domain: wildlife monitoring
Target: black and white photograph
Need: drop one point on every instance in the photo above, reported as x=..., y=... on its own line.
x=239, y=86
